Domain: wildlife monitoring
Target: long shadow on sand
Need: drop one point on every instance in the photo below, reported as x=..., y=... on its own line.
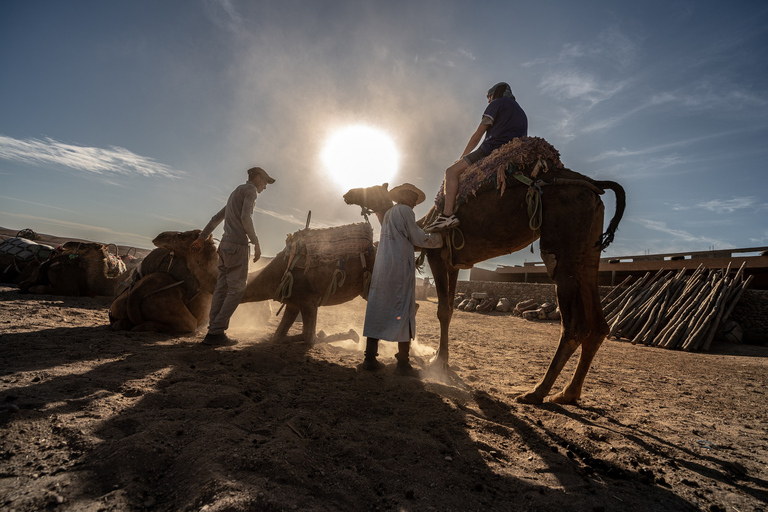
x=172, y=425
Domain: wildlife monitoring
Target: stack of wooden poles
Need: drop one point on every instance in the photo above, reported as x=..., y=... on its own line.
x=673, y=310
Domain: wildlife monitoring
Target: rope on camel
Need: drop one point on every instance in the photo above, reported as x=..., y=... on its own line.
x=367, y=276
x=337, y=281
x=285, y=288
x=533, y=199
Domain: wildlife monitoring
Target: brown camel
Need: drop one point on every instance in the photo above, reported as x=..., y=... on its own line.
x=81, y=270
x=173, y=287
x=305, y=276
x=571, y=239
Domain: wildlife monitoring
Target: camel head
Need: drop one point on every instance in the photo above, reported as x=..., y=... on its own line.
x=88, y=250
x=179, y=241
x=374, y=198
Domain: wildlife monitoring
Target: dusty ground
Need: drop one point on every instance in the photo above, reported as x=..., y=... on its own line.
x=92, y=419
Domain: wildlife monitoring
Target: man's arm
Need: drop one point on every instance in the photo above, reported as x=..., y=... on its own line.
x=476, y=137
x=246, y=217
x=197, y=245
x=416, y=235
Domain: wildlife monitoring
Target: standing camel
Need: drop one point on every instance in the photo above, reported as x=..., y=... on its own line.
x=318, y=267
x=571, y=239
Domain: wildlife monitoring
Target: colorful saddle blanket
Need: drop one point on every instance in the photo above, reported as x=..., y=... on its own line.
x=531, y=156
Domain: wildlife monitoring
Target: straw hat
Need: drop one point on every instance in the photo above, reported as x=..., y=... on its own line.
x=396, y=193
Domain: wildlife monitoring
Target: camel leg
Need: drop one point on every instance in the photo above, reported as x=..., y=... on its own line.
x=178, y=321
x=595, y=326
x=289, y=317
x=574, y=268
x=339, y=336
x=569, y=301
x=309, y=317
x=445, y=287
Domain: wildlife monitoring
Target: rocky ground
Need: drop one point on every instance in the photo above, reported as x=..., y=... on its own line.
x=94, y=420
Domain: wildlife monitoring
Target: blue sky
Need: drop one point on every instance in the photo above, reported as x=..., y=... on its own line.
x=119, y=120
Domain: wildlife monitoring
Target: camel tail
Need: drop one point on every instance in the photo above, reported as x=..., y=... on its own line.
x=621, y=203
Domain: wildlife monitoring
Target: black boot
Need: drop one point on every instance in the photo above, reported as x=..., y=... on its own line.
x=403, y=360
x=370, y=362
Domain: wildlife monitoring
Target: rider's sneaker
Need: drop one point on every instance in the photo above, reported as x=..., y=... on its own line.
x=442, y=223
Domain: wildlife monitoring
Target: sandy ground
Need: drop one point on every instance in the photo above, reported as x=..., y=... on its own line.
x=92, y=419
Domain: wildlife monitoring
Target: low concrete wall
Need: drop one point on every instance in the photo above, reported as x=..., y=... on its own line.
x=751, y=312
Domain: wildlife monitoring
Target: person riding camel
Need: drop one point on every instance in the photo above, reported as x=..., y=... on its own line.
x=502, y=121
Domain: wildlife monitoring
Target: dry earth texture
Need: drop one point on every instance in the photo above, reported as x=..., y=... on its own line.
x=96, y=420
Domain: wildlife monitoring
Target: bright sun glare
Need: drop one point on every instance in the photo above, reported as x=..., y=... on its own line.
x=360, y=156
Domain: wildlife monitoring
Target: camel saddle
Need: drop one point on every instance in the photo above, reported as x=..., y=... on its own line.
x=312, y=247
x=531, y=158
x=26, y=250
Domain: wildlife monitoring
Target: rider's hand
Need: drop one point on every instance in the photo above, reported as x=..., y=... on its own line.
x=196, y=246
x=256, y=252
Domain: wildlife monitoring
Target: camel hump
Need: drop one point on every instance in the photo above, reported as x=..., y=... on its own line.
x=320, y=246
x=534, y=157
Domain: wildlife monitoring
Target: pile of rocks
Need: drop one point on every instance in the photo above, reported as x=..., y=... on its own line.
x=528, y=309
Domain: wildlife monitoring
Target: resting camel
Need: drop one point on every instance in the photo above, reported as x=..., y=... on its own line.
x=173, y=289
x=81, y=270
x=571, y=239
x=326, y=279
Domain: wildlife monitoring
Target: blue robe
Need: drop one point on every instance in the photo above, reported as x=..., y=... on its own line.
x=391, y=311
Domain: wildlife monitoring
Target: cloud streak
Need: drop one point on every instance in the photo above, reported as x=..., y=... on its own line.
x=678, y=234
x=727, y=205
x=111, y=161
x=86, y=231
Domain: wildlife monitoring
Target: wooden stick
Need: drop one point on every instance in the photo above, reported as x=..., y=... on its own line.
x=610, y=294
x=731, y=306
x=705, y=315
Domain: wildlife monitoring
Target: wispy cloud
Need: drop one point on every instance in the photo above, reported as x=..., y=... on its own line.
x=36, y=204
x=610, y=46
x=624, y=152
x=224, y=15
x=726, y=205
x=85, y=230
x=287, y=217
x=760, y=240
x=675, y=235
x=571, y=85
x=111, y=161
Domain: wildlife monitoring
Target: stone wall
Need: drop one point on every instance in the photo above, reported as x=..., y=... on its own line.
x=515, y=292
x=751, y=312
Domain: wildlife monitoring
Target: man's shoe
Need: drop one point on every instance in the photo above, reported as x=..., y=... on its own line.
x=218, y=340
x=405, y=369
x=371, y=365
x=441, y=223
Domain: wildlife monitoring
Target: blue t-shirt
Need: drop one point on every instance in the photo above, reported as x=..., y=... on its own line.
x=509, y=122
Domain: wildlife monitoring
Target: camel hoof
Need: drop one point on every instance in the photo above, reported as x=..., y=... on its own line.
x=529, y=398
x=561, y=399
x=438, y=365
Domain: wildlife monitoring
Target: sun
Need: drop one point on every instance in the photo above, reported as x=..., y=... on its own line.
x=360, y=156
